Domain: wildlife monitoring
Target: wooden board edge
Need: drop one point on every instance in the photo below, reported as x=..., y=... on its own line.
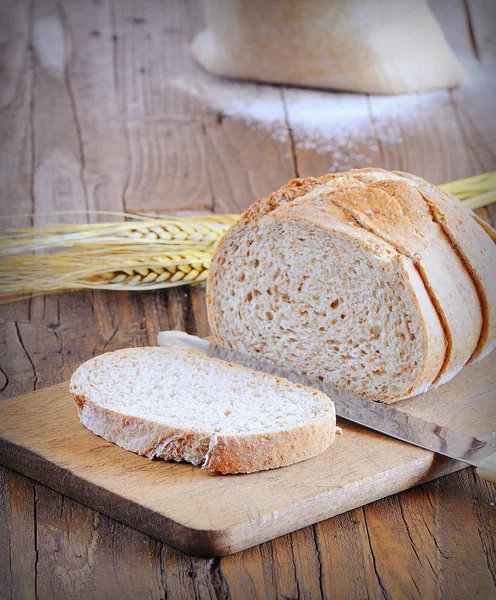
x=98, y=498
x=214, y=543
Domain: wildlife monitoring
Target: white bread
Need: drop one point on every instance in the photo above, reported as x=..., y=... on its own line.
x=180, y=405
x=371, y=46
x=312, y=289
x=485, y=225
x=400, y=215
x=473, y=243
x=476, y=248
x=366, y=239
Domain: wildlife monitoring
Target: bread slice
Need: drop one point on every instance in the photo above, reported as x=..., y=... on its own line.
x=180, y=405
x=487, y=228
x=396, y=211
x=476, y=248
x=383, y=210
x=308, y=287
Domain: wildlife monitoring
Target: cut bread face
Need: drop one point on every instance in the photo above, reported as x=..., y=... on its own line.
x=316, y=292
x=180, y=405
x=433, y=297
x=487, y=228
x=474, y=245
x=396, y=211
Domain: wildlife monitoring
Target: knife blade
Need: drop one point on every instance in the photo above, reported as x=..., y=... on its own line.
x=385, y=418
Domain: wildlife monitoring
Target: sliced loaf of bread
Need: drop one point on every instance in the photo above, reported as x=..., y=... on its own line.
x=180, y=405
x=353, y=278
x=475, y=246
x=471, y=239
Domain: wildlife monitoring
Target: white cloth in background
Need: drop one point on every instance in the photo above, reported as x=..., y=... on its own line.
x=369, y=46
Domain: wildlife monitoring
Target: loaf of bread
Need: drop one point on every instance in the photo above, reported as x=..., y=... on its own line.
x=181, y=405
x=376, y=282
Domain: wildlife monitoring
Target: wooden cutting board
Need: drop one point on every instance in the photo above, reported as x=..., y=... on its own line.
x=212, y=515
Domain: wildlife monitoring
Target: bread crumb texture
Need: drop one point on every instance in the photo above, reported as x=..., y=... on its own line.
x=356, y=279
x=181, y=405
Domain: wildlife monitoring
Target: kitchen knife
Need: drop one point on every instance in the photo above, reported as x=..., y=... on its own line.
x=385, y=418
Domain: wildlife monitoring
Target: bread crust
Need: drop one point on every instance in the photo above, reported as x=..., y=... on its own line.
x=396, y=212
x=333, y=218
x=487, y=228
x=250, y=453
x=475, y=246
x=406, y=212
x=243, y=453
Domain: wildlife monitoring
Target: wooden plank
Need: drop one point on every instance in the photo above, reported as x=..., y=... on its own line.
x=59, y=177
x=249, y=574
x=393, y=536
x=199, y=307
x=167, y=161
x=330, y=132
x=246, y=164
x=474, y=106
x=152, y=47
x=16, y=158
x=186, y=577
x=16, y=97
x=91, y=77
x=341, y=542
x=168, y=167
x=18, y=558
x=18, y=373
x=483, y=496
x=464, y=570
x=227, y=514
x=93, y=547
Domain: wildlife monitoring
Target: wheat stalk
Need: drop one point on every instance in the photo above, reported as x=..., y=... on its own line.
x=473, y=187
x=144, y=252
x=172, y=233
x=148, y=252
x=46, y=274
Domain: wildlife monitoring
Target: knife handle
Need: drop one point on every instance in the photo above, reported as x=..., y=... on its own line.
x=181, y=339
x=487, y=468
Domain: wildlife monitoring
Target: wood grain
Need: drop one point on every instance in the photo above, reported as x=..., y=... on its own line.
x=105, y=72
x=207, y=515
x=91, y=75
x=16, y=123
x=18, y=535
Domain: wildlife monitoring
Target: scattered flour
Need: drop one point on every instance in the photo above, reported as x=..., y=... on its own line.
x=51, y=48
x=352, y=129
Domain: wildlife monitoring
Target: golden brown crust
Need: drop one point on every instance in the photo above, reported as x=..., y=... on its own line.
x=403, y=205
x=487, y=228
x=247, y=454
x=331, y=216
x=227, y=454
x=475, y=248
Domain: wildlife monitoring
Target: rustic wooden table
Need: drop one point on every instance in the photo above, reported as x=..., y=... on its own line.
x=90, y=117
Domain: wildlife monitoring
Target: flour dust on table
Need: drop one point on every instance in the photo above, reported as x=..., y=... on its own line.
x=351, y=126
